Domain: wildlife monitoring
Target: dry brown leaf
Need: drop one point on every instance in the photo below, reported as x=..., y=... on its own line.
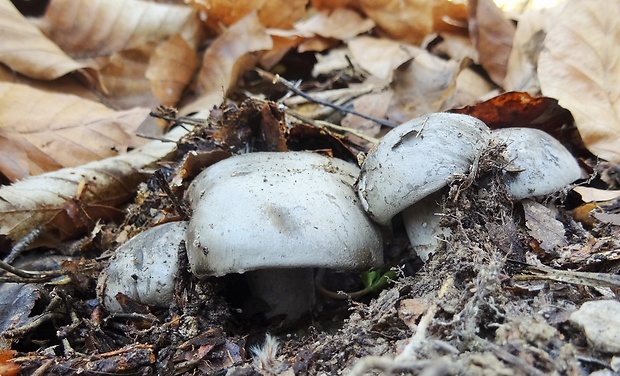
x=580, y=66
x=341, y=23
x=333, y=4
x=42, y=131
x=34, y=201
x=171, y=69
x=523, y=61
x=380, y=57
x=271, y=13
x=26, y=50
x=543, y=225
x=91, y=28
x=228, y=56
x=123, y=77
x=492, y=35
x=373, y=104
x=412, y=21
x=425, y=85
x=590, y=194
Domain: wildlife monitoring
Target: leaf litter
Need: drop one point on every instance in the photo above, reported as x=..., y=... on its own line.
x=502, y=295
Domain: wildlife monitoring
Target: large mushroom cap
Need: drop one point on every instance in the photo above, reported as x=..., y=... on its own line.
x=278, y=210
x=416, y=159
x=540, y=164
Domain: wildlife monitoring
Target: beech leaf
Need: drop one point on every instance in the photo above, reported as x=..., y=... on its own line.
x=27, y=50
x=580, y=66
x=35, y=201
x=42, y=131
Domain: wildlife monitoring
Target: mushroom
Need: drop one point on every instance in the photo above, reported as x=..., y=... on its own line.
x=143, y=268
x=416, y=159
x=539, y=164
x=277, y=216
x=408, y=167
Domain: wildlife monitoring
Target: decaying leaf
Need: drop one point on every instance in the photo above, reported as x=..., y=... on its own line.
x=423, y=86
x=580, y=64
x=340, y=24
x=41, y=131
x=271, y=13
x=26, y=50
x=492, y=35
x=226, y=58
x=91, y=28
x=34, y=201
x=170, y=69
x=380, y=57
x=543, y=225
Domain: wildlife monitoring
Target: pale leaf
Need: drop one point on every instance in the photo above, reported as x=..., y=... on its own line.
x=171, y=69
x=90, y=28
x=523, y=61
x=42, y=131
x=380, y=56
x=543, y=225
x=34, y=201
x=590, y=194
x=404, y=20
x=492, y=35
x=225, y=59
x=26, y=50
x=339, y=24
x=580, y=66
x=425, y=85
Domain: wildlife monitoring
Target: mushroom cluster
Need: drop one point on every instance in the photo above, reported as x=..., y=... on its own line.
x=276, y=216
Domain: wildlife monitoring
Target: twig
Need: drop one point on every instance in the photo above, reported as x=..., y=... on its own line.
x=289, y=85
x=27, y=276
x=325, y=124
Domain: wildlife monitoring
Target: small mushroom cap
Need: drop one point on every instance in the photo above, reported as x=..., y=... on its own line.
x=416, y=159
x=540, y=164
x=278, y=210
x=422, y=222
x=144, y=268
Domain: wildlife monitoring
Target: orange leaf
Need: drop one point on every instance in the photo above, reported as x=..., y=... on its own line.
x=7, y=368
x=42, y=131
x=170, y=69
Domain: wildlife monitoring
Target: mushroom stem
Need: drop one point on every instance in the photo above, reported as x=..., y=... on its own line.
x=286, y=291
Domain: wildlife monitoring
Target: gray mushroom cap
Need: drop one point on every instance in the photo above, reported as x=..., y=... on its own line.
x=416, y=159
x=278, y=210
x=539, y=164
x=143, y=268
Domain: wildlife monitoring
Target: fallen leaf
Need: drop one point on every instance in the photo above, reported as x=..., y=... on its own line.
x=27, y=50
x=91, y=28
x=123, y=77
x=171, y=69
x=333, y=4
x=526, y=46
x=412, y=21
x=372, y=104
x=590, y=194
x=492, y=35
x=41, y=131
x=424, y=85
x=271, y=13
x=7, y=368
x=341, y=23
x=579, y=66
x=380, y=57
x=543, y=225
x=228, y=56
x=34, y=201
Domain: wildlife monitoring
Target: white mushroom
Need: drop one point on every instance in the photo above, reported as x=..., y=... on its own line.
x=539, y=164
x=144, y=268
x=416, y=159
x=274, y=212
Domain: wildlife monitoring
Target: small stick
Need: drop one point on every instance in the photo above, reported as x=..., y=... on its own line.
x=289, y=85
